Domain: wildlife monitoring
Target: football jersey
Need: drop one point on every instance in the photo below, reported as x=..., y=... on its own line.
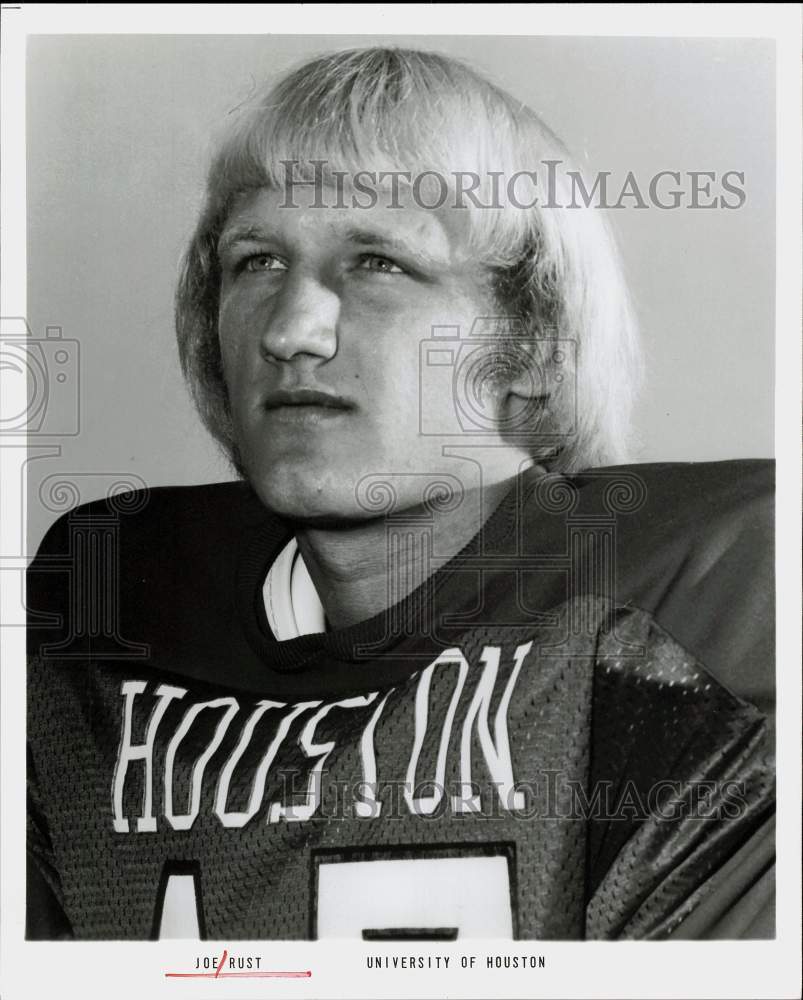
x=564, y=733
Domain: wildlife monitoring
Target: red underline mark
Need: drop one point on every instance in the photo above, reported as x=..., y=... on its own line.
x=238, y=975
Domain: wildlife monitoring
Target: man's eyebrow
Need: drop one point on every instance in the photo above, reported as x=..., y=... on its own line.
x=377, y=240
x=354, y=235
x=242, y=234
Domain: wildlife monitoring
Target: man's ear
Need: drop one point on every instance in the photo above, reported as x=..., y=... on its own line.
x=524, y=403
x=527, y=387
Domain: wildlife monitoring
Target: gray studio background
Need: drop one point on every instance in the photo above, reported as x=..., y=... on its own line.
x=118, y=134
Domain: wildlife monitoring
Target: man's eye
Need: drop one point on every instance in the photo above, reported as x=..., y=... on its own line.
x=263, y=262
x=382, y=265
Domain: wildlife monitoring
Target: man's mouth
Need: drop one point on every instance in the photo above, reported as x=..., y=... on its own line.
x=305, y=405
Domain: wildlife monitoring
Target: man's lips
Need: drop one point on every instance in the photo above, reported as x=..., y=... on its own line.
x=314, y=398
x=304, y=407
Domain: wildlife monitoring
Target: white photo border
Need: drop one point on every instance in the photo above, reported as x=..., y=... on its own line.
x=716, y=969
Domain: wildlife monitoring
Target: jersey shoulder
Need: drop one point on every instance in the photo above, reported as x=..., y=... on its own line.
x=153, y=569
x=693, y=545
x=682, y=492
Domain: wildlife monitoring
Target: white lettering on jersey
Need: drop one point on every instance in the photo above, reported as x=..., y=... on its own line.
x=423, y=794
x=127, y=752
x=468, y=895
x=426, y=804
x=369, y=807
x=184, y=822
x=238, y=819
x=313, y=750
x=497, y=750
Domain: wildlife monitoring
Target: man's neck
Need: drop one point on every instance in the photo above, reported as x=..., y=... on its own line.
x=361, y=570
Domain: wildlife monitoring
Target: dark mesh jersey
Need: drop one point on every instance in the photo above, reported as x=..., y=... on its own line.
x=576, y=708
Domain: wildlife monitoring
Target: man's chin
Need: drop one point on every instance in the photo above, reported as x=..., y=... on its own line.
x=311, y=504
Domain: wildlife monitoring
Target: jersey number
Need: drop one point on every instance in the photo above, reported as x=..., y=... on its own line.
x=381, y=899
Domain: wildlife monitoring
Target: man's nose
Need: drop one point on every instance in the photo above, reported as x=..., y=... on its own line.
x=303, y=321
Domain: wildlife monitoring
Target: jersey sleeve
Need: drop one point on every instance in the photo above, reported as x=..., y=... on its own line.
x=738, y=900
x=47, y=607
x=713, y=587
x=694, y=711
x=45, y=917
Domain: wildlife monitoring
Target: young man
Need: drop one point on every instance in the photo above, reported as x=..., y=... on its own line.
x=439, y=663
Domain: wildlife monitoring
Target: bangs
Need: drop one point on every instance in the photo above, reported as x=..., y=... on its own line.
x=388, y=112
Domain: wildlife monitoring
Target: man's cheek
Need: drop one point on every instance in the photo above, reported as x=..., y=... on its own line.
x=238, y=325
x=227, y=345
x=237, y=365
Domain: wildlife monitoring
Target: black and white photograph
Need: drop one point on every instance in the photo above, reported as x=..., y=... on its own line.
x=398, y=598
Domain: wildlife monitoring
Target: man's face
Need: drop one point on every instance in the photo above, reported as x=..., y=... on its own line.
x=322, y=311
